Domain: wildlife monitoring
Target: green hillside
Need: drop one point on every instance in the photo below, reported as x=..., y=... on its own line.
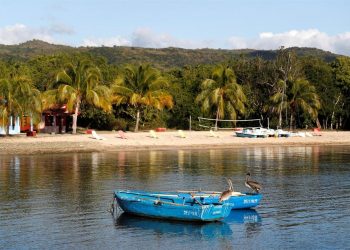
x=162, y=58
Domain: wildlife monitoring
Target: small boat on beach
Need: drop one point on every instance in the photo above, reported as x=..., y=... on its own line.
x=252, y=133
x=258, y=132
x=282, y=133
x=170, y=206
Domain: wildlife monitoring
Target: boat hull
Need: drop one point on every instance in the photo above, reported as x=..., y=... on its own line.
x=251, y=133
x=245, y=135
x=244, y=201
x=167, y=208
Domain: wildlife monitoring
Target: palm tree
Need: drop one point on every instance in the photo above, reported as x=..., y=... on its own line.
x=279, y=101
x=223, y=93
x=141, y=86
x=78, y=83
x=288, y=69
x=302, y=95
x=18, y=97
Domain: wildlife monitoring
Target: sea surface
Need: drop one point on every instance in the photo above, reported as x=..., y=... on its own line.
x=61, y=201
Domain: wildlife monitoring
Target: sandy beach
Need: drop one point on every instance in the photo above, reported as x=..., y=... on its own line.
x=44, y=143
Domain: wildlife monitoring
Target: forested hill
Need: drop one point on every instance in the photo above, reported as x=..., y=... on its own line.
x=163, y=58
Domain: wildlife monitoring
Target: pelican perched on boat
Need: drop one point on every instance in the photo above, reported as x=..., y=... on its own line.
x=225, y=195
x=252, y=184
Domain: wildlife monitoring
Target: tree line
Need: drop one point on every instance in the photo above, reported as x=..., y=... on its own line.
x=288, y=91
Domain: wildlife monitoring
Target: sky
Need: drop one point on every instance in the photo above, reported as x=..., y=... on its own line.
x=225, y=24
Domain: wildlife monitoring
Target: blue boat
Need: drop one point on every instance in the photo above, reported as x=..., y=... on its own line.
x=170, y=206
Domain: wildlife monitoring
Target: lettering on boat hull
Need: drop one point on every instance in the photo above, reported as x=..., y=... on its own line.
x=250, y=201
x=191, y=212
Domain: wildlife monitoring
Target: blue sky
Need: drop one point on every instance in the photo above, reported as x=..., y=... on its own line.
x=226, y=24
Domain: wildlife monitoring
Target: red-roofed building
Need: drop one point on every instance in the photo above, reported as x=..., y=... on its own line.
x=56, y=120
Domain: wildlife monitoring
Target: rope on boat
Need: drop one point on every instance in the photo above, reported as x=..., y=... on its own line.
x=111, y=207
x=197, y=201
x=114, y=207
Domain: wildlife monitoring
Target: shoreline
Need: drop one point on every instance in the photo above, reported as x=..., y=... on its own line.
x=65, y=143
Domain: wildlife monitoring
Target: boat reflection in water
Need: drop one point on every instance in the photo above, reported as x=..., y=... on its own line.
x=206, y=230
x=240, y=216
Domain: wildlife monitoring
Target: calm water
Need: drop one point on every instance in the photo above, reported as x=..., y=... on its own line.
x=61, y=201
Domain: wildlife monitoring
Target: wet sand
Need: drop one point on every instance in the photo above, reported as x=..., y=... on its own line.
x=43, y=143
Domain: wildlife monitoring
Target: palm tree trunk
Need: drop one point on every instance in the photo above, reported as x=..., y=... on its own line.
x=318, y=124
x=216, y=120
x=31, y=123
x=286, y=117
x=9, y=124
x=333, y=112
x=281, y=107
x=280, y=112
x=293, y=115
x=75, y=117
x=137, y=121
x=280, y=119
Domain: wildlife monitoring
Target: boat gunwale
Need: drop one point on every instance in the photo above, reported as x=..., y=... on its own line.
x=185, y=204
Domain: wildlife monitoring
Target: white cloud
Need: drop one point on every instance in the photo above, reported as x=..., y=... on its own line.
x=300, y=38
x=145, y=37
x=19, y=33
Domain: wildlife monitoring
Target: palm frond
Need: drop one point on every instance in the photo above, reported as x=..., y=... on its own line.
x=222, y=93
x=63, y=78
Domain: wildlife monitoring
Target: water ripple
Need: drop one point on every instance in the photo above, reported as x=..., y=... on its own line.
x=61, y=201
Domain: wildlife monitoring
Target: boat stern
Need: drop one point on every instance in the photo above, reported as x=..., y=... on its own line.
x=215, y=212
x=248, y=200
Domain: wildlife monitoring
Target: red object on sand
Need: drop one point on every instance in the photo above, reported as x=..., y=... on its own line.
x=160, y=129
x=31, y=133
x=88, y=131
x=317, y=132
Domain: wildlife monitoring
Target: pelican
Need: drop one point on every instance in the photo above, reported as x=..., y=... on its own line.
x=252, y=184
x=225, y=195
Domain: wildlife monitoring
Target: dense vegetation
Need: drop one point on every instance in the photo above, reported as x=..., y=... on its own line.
x=119, y=87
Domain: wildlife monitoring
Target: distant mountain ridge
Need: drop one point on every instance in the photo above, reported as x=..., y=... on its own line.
x=164, y=58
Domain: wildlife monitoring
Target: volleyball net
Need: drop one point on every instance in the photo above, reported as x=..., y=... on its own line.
x=208, y=123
